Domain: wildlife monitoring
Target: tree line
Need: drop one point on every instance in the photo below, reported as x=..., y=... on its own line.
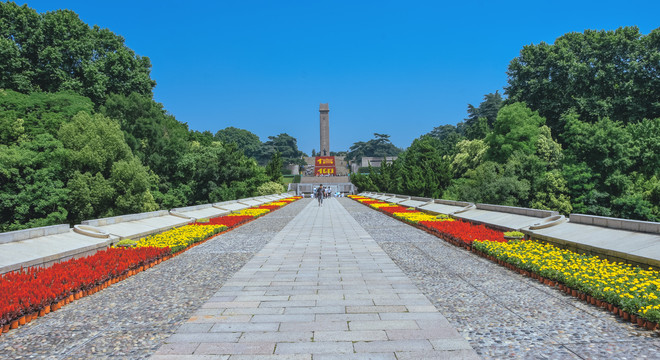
x=577, y=130
x=81, y=136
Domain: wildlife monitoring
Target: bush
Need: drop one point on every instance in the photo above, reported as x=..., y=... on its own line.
x=126, y=243
x=296, y=179
x=270, y=187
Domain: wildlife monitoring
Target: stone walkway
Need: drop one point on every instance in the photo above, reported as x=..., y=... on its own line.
x=322, y=288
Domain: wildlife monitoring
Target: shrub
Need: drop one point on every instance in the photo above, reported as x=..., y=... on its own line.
x=270, y=187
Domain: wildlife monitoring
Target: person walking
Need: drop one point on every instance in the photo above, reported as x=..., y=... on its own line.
x=319, y=194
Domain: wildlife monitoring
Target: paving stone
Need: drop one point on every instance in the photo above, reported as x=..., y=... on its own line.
x=244, y=327
x=319, y=255
x=328, y=347
x=203, y=337
x=362, y=356
x=272, y=357
x=437, y=355
x=277, y=336
x=376, y=309
x=189, y=357
x=220, y=348
x=396, y=346
x=177, y=349
x=350, y=335
x=384, y=325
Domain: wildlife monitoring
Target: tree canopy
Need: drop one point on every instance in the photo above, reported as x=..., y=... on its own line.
x=579, y=132
x=596, y=74
x=56, y=51
x=81, y=136
x=380, y=146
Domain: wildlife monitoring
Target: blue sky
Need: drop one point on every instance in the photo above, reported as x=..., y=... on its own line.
x=393, y=67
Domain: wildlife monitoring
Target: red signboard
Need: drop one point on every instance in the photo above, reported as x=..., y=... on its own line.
x=324, y=171
x=324, y=166
x=324, y=161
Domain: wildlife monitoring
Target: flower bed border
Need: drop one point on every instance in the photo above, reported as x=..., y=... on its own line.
x=90, y=290
x=636, y=319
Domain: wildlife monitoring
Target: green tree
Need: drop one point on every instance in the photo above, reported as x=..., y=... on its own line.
x=56, y=51
x=286, y=145
x=448, y=136
x=29, y=115
x=95, y=142
x=131, y=182
x=597, y=73
x=380, y=146
x=422, y=170
x=469, y=155
x=153, y=135
x=516, y=128
x=32, y=192
x=247, y=141
x=611, y=168
x=274, y=168
x=482, y=118
x=490, y=183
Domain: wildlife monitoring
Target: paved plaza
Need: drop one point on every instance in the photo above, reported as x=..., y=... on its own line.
x=342, y=281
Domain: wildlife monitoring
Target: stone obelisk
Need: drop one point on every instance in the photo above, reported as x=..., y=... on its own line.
x=325, y=130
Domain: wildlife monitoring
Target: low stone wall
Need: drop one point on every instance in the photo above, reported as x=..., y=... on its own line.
x=20, y=235
x=125, y=218
x=192, y=208
x=517, y=210
x=46, y=245
x=615, y=223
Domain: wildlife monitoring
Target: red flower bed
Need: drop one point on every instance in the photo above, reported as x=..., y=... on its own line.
x=464, y=231
x=367, y=202
x=269, y=207
x=396, y=209
x=229, y=221
x=29, y=290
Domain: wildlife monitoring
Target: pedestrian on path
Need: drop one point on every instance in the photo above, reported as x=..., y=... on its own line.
x=319, y=194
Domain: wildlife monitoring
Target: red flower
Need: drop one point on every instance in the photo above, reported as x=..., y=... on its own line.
x=464, y=231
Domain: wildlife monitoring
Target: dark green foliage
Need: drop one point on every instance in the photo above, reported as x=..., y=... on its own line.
x=448, y=136
x=516, y=128
x=421, y=170
x=274, y=168
x=597, y=73
x=56, y=51
x=32, y=192
x=490, y=183
x=380, y=147
x=81, y=136
x=286, y=145
x=481, y=119
x=154, y=136
x=246, y=141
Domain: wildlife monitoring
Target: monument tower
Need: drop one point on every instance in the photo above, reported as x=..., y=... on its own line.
x=324, y=150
